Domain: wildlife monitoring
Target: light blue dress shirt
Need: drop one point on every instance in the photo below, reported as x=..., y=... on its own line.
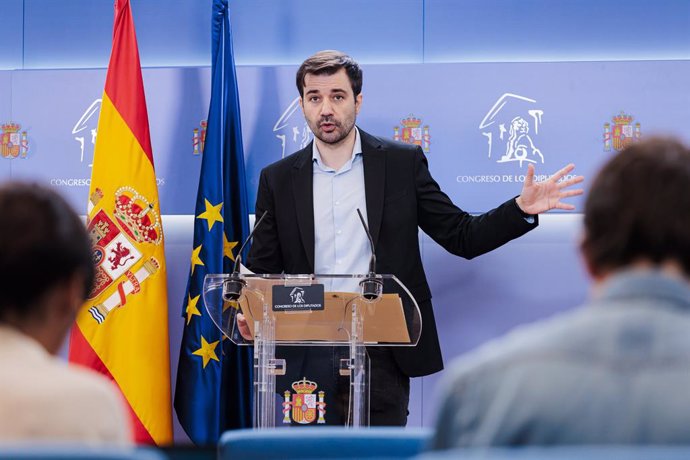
x=341, y=245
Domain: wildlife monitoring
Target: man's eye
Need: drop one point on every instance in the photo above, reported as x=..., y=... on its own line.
x=314, y=99
x=339, y=98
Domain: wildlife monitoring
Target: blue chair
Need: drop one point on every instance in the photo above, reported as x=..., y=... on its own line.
x=322, y=442
x=44, y=451
x=580, y=452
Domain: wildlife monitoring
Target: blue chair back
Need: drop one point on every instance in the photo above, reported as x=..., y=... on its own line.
x=75, y=452
x=583, y=452
x=323, y=442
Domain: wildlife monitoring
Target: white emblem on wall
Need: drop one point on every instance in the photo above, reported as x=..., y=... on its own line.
x=510, y=126
x=85, y=131
x=292, y=129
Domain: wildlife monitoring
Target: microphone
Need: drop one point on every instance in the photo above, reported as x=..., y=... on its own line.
x=372, y=287
x=233, y=286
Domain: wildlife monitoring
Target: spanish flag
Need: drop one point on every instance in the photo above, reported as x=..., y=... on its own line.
x=122, y=330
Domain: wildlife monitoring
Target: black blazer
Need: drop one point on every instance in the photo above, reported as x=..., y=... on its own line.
x=401, y=198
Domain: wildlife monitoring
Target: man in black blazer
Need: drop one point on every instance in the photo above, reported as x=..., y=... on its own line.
x=399, y=196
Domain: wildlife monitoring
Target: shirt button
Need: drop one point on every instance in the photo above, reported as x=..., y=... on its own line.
x=337, y=203
x=339, y=232
x=337, y=262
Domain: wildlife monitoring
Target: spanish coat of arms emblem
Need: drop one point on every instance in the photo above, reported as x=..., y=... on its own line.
x=304, y=403
x=413, y=133
x=621, y=132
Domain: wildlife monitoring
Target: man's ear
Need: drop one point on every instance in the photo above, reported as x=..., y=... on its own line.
x=586, y=259
x=301, y=104
x=358, y=103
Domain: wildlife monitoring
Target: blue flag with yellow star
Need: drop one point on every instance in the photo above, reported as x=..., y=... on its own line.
x=214, y=381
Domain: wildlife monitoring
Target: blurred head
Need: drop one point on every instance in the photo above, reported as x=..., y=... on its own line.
x=638, y=209
x=46, y=265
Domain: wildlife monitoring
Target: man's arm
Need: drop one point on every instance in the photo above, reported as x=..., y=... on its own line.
x=456, y=230
x=469, y=236
x=265, y=255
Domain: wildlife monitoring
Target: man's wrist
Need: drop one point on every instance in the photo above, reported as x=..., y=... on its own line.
x=524, y=214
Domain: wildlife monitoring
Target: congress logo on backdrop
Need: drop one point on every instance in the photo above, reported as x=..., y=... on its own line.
x=621, y=132
x=199, y=138
x=85, y=131
x=292, y=129
x=511, y=128
x=304, y=404
x=13, y=142
x=413, y=132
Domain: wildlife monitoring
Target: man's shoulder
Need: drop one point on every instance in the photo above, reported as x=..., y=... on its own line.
x=79, y=404
x=370, y=141
x=544, y=340
x=290, y=161
x=95, y=393
x=79, y=382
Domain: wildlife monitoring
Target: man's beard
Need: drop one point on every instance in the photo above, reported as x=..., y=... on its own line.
x=339, y=132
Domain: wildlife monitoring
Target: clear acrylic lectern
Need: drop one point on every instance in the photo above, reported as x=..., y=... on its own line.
x=307, y=311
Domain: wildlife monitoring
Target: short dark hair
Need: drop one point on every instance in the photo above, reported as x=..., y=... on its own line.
x=328, y=62
x=43, y=242
x=638, y=208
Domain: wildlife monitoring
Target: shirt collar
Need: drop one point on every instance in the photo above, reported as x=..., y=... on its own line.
x=356, y=150
x=641, y=283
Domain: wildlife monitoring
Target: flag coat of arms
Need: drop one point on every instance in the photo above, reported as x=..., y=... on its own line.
x=122, y=330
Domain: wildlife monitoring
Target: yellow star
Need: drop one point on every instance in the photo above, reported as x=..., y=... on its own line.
x=207, y=351
x=230, y=303
x=228, y=246
x=212, y=214
x=191, y=308
x=196, y=260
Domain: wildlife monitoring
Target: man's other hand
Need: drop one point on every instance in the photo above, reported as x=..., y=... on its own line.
x=538, y=197
x=243, y=327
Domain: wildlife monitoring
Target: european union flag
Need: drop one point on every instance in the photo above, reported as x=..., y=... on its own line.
x=214, y=378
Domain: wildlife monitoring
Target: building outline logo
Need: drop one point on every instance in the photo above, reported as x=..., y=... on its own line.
x=513, y=124
x=87, y=128
x=292, y=130
x=297, y=295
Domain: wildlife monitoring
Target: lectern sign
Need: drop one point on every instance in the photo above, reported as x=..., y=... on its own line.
x=298, y=298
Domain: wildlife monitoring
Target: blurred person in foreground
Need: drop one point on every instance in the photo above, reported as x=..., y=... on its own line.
x=617, y=370
x=46, y=272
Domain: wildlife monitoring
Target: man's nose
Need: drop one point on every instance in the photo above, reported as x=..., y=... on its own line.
x=326, y=108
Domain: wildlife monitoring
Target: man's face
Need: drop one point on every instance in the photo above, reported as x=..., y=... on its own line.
x=329, y=105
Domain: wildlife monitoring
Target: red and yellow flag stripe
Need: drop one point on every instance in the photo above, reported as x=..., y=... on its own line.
x=122, y=331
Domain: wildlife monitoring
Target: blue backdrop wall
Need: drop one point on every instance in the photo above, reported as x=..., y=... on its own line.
x=465, y=70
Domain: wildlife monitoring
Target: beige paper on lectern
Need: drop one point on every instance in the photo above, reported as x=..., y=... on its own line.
x=384, y=321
